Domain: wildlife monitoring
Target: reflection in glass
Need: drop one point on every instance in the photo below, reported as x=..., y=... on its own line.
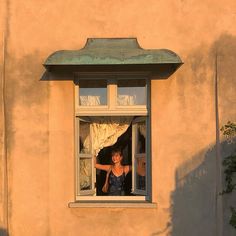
x=84, y=137
x=141, y=137
x=141, y=173
x=131, y=92
x=92, y=92
x=85, y=173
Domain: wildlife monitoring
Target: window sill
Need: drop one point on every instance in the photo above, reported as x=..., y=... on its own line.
x=112, y=205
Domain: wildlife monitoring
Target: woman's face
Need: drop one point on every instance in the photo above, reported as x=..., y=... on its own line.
x=116, y=158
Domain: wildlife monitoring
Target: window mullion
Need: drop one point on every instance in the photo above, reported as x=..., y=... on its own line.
x=112, y=94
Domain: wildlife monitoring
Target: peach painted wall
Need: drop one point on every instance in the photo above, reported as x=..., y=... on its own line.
x=39, y=115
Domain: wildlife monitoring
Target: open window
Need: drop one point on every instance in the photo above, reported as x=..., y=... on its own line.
x=108, y=117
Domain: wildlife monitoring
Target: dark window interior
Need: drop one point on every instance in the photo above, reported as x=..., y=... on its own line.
x=124, y=142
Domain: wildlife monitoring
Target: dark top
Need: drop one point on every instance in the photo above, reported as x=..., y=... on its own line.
x=116, y=184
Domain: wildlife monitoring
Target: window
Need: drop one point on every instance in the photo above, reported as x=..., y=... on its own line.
x=112, y=112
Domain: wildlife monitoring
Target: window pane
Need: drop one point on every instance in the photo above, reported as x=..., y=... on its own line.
x=85, y=174
x=131, y=92
x=92, y=92
x=84, y=137
x=141, y=137
x=141, y=173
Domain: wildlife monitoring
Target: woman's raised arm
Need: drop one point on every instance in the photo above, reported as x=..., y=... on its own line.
x=100, y=166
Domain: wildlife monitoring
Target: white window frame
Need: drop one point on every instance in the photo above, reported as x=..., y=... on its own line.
x=112, y=109
x=81, y=156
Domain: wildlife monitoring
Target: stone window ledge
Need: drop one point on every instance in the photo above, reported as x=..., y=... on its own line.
x=90, y=204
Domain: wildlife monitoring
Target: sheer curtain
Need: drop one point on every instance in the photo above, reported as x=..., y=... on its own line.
x=126, y=100
x=143, y=129
x=122, y=100
x=106, y=131
x=85, y=174
x=89, y=100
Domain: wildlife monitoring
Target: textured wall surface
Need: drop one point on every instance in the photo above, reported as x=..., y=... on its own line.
x=39, y=115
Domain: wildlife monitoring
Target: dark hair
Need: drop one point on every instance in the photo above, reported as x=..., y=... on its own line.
x=116, y=150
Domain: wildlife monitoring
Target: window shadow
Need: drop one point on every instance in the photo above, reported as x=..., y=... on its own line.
x=3, y=232
x=193, y=203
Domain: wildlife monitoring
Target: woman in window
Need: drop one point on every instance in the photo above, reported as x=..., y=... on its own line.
x=116, y=173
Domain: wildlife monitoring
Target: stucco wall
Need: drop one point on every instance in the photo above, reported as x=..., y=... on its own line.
x=39, y=114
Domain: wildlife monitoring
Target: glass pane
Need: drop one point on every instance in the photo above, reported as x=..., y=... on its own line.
x=141, y=137
x=92, y=92
x=141, y=173
x=131, y=92
x=85, y=173
x=84, y=137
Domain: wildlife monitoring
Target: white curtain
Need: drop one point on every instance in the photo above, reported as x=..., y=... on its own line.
x=122, y=100
x=106, y=131
x=84, y=137
x=143, y=129
x=89, y=100
x=126, y=100
x=85, y=174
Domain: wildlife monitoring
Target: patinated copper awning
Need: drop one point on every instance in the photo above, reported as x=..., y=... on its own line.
x=115, y=55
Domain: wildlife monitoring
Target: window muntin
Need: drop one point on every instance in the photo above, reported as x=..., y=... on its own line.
x=131, y=92
x=85, y=183
x=93, y=92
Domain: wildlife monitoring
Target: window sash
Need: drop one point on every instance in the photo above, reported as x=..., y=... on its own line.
x=83, y=156
x=136, y=155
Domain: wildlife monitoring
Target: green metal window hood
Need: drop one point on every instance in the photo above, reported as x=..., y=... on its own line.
x=114, y=55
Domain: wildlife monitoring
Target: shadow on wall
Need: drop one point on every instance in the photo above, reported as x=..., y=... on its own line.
x=26, y=98
x=228, y=199
x=193, y=203
x=3, y=232
x=24, y=88
x=193, y=208
x=226, y=48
